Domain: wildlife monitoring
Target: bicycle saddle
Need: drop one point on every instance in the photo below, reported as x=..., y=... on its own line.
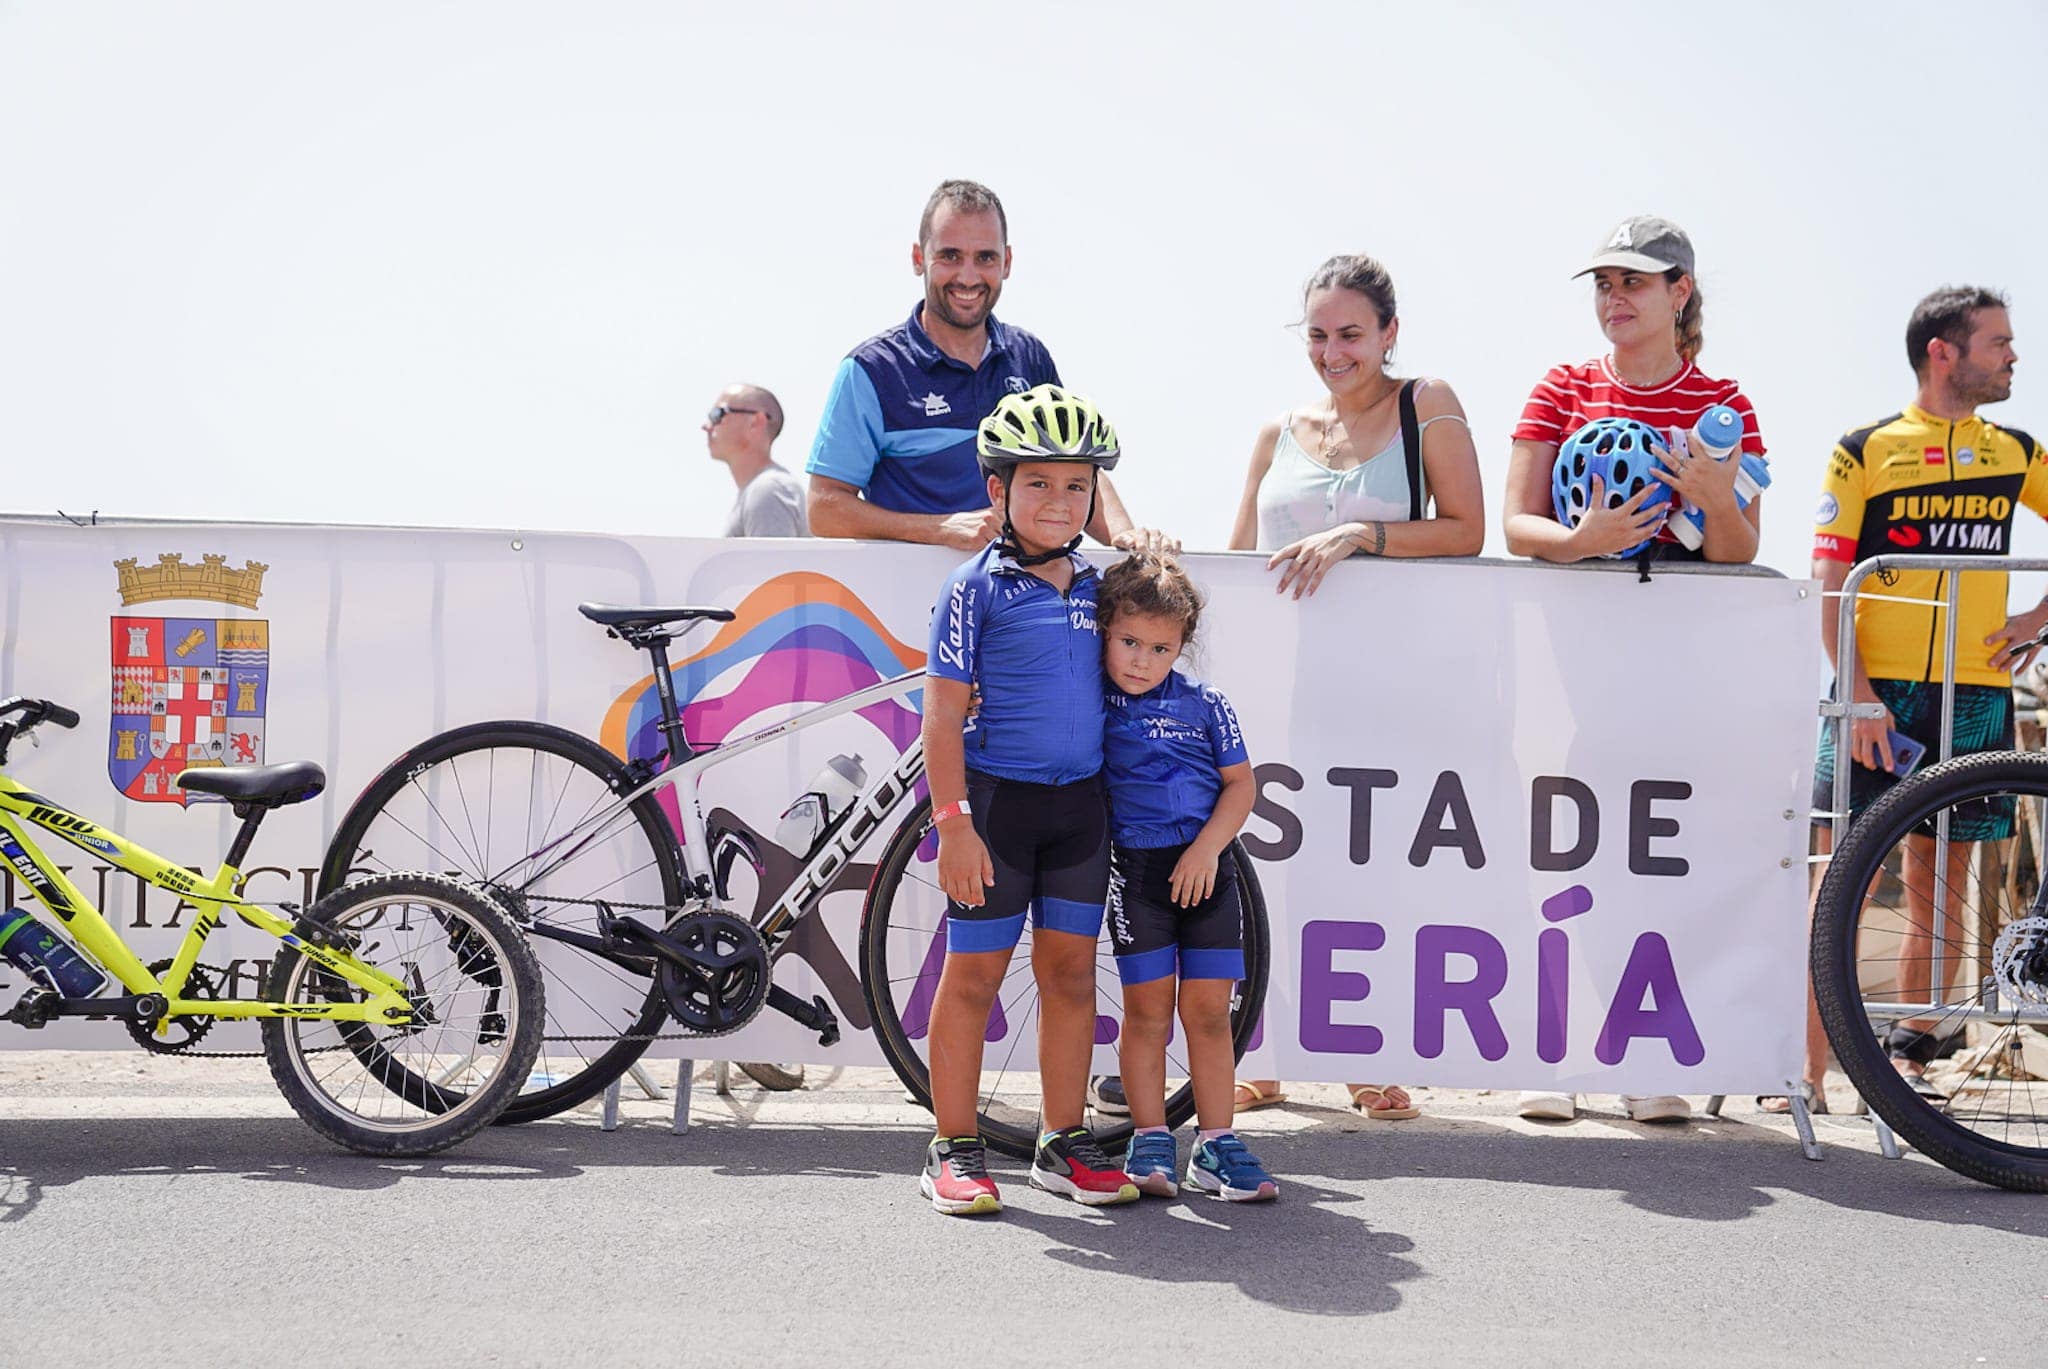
x=267, y=786
x=625, y=620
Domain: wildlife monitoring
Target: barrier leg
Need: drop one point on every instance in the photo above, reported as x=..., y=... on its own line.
x=1802, y=1120
x=721, y=1078
x=1714, y=1104
x=1886, y=1142
x=645, y=1080
x=608, y=1120
x=684, y=1069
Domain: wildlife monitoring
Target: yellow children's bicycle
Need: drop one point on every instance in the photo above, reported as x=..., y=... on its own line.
x=400, y=1015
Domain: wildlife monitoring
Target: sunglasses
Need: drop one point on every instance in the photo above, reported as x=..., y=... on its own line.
x=719, y=411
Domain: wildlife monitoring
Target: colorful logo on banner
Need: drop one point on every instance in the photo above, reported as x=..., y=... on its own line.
x=800, y=638
x=190, y=690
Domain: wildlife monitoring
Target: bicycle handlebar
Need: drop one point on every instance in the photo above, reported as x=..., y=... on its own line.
x=38, y=711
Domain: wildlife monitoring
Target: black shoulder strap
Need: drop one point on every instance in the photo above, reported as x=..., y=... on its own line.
x=1411, y=448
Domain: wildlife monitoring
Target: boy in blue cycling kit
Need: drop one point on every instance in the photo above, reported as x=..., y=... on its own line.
x=1180, y=787
x=1017, y=796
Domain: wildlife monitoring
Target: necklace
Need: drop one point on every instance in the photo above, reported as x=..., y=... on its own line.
x=1329, y=444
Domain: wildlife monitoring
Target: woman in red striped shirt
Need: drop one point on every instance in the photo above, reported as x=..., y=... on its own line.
x=1648, y=303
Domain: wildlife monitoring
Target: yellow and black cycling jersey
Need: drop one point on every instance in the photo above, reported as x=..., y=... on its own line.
x=1918, y=485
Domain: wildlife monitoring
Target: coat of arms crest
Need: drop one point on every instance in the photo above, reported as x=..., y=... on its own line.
x=191, y=690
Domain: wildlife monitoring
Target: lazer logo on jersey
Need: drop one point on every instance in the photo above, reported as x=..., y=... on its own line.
x=953, y=647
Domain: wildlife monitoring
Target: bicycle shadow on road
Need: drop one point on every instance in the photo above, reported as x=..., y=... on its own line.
x=44, y=1155
x=1714, y=1170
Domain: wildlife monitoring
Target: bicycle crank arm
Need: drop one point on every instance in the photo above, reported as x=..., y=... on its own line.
x=816, y=1014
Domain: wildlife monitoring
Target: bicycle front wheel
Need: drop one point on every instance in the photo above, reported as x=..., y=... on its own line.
x=530, y=814
x=1945, y=962
x=420, y=1086
x=903, y=949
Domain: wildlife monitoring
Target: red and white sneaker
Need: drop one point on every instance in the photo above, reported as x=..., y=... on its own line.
x=1072, y=1162
x=956, y=1178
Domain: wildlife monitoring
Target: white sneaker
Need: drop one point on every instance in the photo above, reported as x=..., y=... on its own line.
x=1548, y=1107
x=1662, y=1107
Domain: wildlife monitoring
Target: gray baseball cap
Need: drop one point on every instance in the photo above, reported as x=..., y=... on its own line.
x=1644, y=243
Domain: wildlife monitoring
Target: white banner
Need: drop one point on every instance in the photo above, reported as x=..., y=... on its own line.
x=1518, y=826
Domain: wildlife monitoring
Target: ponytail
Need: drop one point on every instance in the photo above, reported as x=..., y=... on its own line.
x=1692, y=337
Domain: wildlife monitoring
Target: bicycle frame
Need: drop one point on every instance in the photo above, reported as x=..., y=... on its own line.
x=843, y=839
x=22, y=808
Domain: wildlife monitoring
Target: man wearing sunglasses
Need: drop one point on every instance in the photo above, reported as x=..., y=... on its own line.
x=894, y=456
x=739, y=431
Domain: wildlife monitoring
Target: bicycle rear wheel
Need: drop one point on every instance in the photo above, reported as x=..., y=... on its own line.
x=421, y=1086
x=490, y=803
x=1880, y=926
x=903, y=947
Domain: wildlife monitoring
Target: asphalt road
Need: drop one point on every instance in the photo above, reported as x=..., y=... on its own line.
x=173, y=1213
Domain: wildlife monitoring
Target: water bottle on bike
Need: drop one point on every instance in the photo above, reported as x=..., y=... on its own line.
x=805, y=822
x=44, y=957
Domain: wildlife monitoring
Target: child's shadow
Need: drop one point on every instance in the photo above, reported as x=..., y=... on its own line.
x=1297, y=1253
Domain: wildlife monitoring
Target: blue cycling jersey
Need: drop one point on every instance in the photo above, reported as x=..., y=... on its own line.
x=1037, y=658
x=1163, y=752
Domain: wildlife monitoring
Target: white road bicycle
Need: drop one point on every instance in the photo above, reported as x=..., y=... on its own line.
x=625, y=890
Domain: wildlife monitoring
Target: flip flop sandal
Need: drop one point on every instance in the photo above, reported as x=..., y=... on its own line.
x=1381, y=1114
x=1923, y=1086
x=1258, y=1099
x=1816, y=1102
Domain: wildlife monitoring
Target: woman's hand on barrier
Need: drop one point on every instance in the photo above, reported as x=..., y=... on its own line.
x=1146, y=539
x=1604, y=531
x=964, y=867
x=1303, y=564
x=1701, y=480
x=1870, y=739
x=1194, y=875
x=2017, y=643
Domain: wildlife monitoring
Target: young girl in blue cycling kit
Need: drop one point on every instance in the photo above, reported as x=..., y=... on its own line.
x=1180, y=787
x=1017, y=796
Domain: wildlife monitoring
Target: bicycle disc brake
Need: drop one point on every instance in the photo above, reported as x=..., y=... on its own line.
x=2019, y=961
x=180, y=1033
x=726, y=981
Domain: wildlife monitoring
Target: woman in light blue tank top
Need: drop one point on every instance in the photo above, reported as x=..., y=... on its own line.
x=1378, y=465
x=1358, y=471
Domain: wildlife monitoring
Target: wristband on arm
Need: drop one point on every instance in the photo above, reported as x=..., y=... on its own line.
x=950, y=810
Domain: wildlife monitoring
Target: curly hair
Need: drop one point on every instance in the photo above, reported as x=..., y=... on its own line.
x=1152, y=584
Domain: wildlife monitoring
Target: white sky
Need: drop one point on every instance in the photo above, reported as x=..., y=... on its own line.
x=486, y=264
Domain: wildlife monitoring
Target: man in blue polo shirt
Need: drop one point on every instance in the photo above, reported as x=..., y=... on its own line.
x=894, y=456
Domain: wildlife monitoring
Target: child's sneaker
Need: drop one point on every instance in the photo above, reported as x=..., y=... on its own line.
x=956, y=1178
x=1228, y=1169
x=1152, y=1161
x=1106, y=1095
x=1072, y=1162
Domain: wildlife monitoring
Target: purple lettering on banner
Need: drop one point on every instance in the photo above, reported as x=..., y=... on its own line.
x=1650, y=973
x=917, y=1009
x=1553, y=993
x=1258, y=1036
x=1323, y=985
x=1105, y=1030
x=1436, y=997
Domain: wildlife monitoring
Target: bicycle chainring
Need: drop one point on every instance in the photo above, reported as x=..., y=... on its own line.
x=180, y=1034
x=728, y=983
x=2019, y=961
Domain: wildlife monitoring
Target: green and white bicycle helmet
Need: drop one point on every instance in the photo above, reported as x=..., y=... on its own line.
x=1044, y=424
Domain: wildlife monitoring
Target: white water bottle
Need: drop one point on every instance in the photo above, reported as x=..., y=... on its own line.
x=1717, y=436
x=824, y=799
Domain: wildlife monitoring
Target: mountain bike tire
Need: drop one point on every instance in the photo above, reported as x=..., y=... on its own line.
x=1851, y=908
x=474, y=803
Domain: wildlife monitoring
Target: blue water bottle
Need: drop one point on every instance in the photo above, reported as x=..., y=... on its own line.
x=1718, y=436
x=43, y=956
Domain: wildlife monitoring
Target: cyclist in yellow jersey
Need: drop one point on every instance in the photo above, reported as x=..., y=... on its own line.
x=1932, y=480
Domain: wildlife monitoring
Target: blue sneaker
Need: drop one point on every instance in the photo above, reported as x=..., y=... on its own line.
x=1228, y=1169
x=1152, y=1161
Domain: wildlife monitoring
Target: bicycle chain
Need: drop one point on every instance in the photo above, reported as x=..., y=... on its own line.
x=609, y=904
